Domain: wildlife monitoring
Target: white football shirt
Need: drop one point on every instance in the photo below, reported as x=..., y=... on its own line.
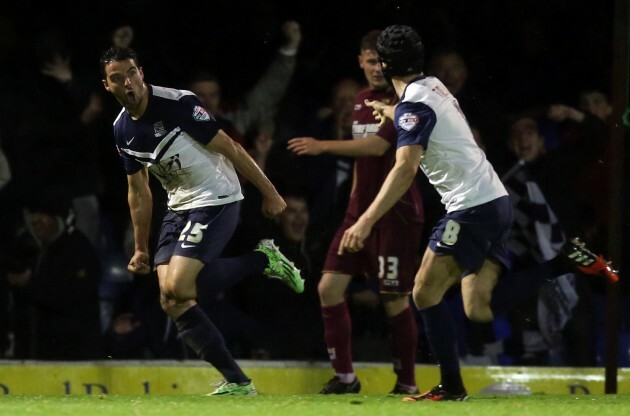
x=429, y=115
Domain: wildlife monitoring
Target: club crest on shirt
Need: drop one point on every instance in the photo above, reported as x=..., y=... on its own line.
x=408, y=121
x=159, y=129
x=200, y=114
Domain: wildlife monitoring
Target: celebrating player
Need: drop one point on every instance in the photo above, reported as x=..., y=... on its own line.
x=468, y=244
x=169, y=133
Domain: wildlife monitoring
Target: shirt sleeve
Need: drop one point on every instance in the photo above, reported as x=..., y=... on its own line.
x=195, y=120
x=414, y=123
x=130, y=165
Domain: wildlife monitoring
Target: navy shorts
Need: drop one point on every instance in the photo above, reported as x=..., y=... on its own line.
x=474, y=234
x=199, y=233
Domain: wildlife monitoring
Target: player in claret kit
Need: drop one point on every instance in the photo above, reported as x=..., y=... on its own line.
x=391, y=254
x=468, y=245
x=169, y=133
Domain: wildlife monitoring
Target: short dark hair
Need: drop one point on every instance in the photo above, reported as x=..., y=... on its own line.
x=295, y=191
x=116, y=54
x=368, y=41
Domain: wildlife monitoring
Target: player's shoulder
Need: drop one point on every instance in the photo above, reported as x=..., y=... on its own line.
x=427, y=90
x=364, y=93
x=120, y=118
x=172, y=102
x=384, y=94
x=121, y=124
x=170, y=94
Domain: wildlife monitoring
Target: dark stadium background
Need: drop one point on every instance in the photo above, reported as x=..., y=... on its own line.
x=236, y=39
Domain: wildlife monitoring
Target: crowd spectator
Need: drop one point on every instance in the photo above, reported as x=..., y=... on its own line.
x=55, y=276
x=326, y=178
x=237, y=119
x=289, y=337
x=483, y=111
x=46, y=131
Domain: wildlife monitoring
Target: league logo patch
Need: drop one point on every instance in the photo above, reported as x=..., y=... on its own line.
x=200, y=114
x=159, y=129
x=357, y=107
x=408, y=121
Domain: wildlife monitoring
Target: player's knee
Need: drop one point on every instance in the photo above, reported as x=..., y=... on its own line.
x=394, y=304
x=176, y=294
x=328, y=295
x=477, y=304
x=478, y=311
x=424, y=298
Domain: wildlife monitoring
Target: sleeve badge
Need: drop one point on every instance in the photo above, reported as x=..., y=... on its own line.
x=408, y=121
x=200, y=114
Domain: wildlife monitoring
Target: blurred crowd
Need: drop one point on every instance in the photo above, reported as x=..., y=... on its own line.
x=66, y=237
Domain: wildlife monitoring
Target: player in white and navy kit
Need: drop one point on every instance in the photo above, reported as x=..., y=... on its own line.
x=429, y=116
x=470, y=240
x=468, y=245
x=168, y=133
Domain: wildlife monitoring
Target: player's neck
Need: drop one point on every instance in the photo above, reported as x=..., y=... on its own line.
x=400, y=83
x=399, y=86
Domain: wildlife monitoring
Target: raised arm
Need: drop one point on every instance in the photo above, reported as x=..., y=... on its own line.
x=272, y=85
x=273, y=204
x=396, y=184
x=141, y=208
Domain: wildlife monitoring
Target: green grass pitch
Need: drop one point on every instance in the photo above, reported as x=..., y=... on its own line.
x=313, y=405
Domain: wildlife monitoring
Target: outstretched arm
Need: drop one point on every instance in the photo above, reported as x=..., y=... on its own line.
x=366, y=146
x=396, y=184
x=141, y=207
x=382, y=111
x=273, y=204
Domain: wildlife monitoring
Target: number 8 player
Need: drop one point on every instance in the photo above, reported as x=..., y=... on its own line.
x=469, y=243
x=470, y=239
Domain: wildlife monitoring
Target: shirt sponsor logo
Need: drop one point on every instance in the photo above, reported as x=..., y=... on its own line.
x=200, y=114
x=363, y=130
x=159, y=129
x=408, y=121
x=173, y=161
